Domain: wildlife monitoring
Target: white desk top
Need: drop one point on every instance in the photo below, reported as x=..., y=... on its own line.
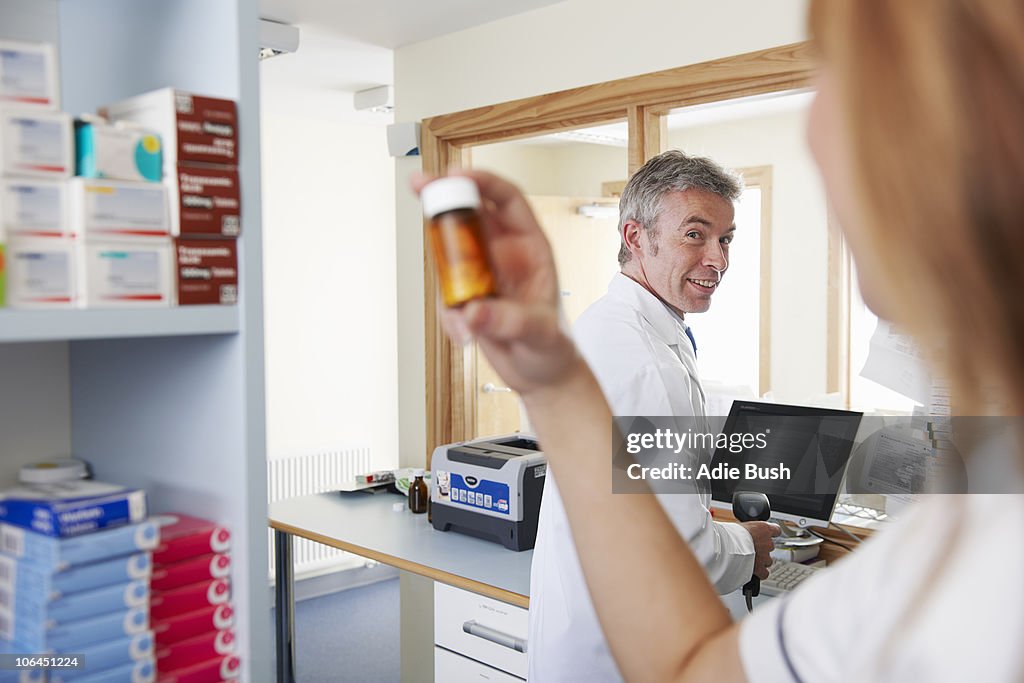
x=366, y=525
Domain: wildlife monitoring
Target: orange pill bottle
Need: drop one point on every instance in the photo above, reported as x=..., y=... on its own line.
x=456, y=239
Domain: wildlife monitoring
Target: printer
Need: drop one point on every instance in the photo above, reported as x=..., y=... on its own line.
x=489, y=488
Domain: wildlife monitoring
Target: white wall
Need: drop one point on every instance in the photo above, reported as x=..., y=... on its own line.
x=531, y=167
x=412, y=372
x=573, y=43
x=578, y=42
x=329, y=238
x=564, y=170
x=799, y=264
x=582, y=168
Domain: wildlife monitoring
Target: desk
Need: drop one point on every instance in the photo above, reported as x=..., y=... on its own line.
x=366, y=525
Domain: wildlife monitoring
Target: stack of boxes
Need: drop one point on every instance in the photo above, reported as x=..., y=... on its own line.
x=85, y=594
x=161, y=165
x=190, y=606
x=201, y=176
x=119, y=212
x=37, y=254
x=84, y=573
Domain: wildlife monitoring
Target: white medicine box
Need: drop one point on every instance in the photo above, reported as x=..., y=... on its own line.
x=28, y=75
x=36, y=143
x=194, y=128
x=34, y=207
x=123, y=210
x=127, y=274
x=43, y=272
x=118, y=152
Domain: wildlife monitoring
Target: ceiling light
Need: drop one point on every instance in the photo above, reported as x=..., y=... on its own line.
x=596, y=210
x=380, y=99
x=592, y=138
x=277, y=39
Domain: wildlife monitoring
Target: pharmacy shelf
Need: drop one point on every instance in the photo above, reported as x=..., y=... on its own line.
x=70, y=325
x=168, y=400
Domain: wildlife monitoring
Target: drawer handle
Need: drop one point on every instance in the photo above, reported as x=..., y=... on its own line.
x=473, y=628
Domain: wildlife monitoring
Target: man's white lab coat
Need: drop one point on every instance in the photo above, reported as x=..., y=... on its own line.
x=646, y=365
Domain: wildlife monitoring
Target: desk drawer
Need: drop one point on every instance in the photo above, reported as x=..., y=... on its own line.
x=484, y=629
x=452, y=668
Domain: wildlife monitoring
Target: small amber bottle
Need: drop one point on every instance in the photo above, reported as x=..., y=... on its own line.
x=456, y=239
x=418, y=493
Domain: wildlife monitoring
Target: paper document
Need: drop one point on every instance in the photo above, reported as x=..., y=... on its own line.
x=895, y=362
x=903, y=462
x=896, y=465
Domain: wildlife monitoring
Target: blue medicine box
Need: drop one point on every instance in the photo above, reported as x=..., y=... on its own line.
x=142, y=671
x=121, y=654
x=53, y=555
x=75, y=635
x=31, y=608
x=26, y=578
x=71, y=508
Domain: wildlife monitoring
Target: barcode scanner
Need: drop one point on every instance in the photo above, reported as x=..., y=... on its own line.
x=749, y=506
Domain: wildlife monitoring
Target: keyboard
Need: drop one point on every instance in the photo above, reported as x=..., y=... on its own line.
x=785, y=576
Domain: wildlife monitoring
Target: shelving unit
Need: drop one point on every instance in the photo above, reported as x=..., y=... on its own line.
x=170, y=400
x=36, y=326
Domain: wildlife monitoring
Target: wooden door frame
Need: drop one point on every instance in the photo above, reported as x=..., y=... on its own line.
x=761, y=177
x=838, y=373
x=643, y=101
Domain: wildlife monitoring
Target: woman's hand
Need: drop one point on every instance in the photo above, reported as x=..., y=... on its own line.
x=519, y=329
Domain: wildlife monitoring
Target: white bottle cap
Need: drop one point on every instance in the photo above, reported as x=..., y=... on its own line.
x=53, y=471
x=398, y=507
x=448, y=194
x=417, y=473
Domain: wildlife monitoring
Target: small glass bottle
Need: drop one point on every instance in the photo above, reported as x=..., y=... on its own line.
x=418, y=493
x=456, y=239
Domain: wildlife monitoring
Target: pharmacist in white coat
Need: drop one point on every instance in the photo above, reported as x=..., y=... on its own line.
x=676, y=223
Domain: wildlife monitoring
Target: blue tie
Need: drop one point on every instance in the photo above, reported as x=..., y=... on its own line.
x=693, y=341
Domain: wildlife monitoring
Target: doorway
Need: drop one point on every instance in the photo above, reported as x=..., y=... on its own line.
x=572, y=181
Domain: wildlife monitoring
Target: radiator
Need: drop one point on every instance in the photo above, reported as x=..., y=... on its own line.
x=309, y=474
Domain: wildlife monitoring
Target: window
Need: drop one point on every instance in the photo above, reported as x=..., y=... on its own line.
x=865, y=394
x=729, y=333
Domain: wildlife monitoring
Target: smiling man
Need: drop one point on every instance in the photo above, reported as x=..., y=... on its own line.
x=676, y=224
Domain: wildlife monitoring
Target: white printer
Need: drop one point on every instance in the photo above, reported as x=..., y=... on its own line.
x=489, y=488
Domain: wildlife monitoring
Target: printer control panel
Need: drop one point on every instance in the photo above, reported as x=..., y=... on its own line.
x=479, y=493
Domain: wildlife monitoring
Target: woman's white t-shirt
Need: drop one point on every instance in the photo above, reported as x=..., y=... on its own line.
x=938, y=597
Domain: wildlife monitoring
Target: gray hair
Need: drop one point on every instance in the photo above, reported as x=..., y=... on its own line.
x=671, y=171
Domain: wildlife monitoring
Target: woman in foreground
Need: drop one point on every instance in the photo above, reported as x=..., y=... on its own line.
x=917, y=131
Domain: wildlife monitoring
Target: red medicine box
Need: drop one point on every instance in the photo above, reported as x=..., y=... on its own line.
x=177, y=574
x=191, y=624
x=217, y=669
x=199, y=649
x=183, y=537
x=167, y=604
x=206, y=271
x=205, y=200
